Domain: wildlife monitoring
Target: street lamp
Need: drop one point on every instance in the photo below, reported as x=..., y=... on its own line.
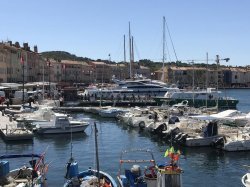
x=218, y=63
x=22, y=62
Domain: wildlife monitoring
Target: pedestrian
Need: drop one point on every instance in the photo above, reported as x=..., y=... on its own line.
x=30, y=100
x=7, y=101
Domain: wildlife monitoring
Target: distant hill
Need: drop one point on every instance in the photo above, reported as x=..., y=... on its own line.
x=62, y=55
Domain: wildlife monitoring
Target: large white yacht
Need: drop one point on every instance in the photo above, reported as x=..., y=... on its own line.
x=130, y=88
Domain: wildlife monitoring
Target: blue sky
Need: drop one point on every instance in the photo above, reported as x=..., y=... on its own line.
x=95, y=28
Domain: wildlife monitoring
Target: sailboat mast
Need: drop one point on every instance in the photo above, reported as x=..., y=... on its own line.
x=130, y=53
x=124, y=48
x=217, y=62
x=163, y=52
x=206, y=80
x=96, y=153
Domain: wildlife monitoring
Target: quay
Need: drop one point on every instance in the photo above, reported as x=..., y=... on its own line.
x=83, y=105
x=121, y=103
x=16, y=107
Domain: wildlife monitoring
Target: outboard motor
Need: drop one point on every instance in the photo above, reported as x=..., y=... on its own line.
x=211, y=129
x=218, y=143
x=160, y=128
x=180, y=138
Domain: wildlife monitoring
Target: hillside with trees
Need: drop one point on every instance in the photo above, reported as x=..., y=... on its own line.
x=62, y=55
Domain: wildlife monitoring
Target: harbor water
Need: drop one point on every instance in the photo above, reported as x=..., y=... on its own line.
x=202, y=166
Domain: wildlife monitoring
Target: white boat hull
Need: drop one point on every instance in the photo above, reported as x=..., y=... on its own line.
x=58, y=130
x=201, y=141
x=243, y=145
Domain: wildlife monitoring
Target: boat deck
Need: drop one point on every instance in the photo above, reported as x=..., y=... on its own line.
x=10, y=131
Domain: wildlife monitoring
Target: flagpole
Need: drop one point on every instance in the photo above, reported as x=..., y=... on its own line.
x=43, y=81
x=22, y=60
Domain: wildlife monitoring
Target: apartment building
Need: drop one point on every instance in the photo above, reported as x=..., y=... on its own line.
x=20, y=63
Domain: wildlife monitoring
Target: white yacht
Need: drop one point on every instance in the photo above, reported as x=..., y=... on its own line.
x=130, y=88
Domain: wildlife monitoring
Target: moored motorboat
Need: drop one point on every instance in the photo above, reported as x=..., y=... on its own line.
x=60, y=123
x=111, y=112
x=234, y=142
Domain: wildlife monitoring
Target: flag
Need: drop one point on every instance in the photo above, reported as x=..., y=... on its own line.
x=171, y=150
x=166, y=153
x=178, y=152
x=176, y=157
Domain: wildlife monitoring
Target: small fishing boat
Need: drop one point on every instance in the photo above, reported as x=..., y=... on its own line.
x=234, y=142
x=60, y=123
x=153, y=175
x=24, y=176
x=205, y=138
x=133, y=176
x=111, y=112
x=11, y=130
x=89, y=177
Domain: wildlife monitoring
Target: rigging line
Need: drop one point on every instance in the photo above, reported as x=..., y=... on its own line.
x=137, y=51
x=169, y=57
x=171, y=41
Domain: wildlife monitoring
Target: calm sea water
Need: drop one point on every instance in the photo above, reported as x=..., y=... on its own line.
x=202, y=166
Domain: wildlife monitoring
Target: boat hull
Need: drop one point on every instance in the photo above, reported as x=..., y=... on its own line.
x=87, y=175
x=202, y=141
x=222, y=104
x=59, y=130
x=243, y=145
x=15, y=136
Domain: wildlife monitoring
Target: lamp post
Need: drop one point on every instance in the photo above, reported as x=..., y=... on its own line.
x=22, y=60
x=218, y=63
x=48, y=62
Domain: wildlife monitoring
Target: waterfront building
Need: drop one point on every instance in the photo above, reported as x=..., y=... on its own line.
x=19, y=61
x=3, y=64
x=101, y=72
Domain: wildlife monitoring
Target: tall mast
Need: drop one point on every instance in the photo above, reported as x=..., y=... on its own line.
x=217, y=84
x=124, y=48
x=132, y=58
x=163, y=52
x=130, y=53
x=206, y=79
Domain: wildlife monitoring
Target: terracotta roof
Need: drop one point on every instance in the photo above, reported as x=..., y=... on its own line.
x=74, y=62
x=98, y=63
